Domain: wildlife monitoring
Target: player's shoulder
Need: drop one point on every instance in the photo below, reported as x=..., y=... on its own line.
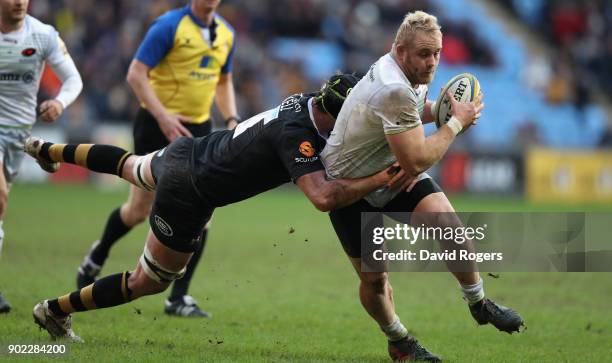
x=221, y=21
x=394, y=93
x=384, y=79
x=171, y=18
x=36, y=26
x=391, y=74
x=294, y=111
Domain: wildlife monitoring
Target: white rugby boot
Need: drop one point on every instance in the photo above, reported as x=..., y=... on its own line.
x=32, y=147
x=58, y=327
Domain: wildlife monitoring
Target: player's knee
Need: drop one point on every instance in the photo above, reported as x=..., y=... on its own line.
x=378, y=282
x=126, y=172
x=142, y=176
x=133, y=213
x=442, y=217
x=154, y=277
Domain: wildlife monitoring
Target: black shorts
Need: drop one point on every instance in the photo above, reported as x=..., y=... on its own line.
x=348, y=224
x=178, y=214
x=148, y=137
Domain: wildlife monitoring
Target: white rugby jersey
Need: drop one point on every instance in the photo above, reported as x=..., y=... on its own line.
x=382, y=103
x=23, y=54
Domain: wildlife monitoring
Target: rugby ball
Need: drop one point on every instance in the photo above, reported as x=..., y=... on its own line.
x=464, y=88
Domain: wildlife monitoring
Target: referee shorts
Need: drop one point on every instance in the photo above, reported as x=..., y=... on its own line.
x=148, y=137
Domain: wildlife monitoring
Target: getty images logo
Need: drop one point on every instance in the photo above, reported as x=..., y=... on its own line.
x=163, y=226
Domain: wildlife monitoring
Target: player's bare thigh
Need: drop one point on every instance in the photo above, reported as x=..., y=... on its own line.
x=137, y=207
x=435, y=210
x=434, y=202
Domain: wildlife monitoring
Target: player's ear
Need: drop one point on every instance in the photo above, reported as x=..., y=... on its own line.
x=400, y=50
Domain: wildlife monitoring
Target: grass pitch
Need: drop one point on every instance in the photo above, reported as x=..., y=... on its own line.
x=278, y=296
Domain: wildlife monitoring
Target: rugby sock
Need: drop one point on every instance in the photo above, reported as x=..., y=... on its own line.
x=473, y=293
x=395, y=331
x=104, y=293
x=113, y=231
x=106, y=159
x=180, y=286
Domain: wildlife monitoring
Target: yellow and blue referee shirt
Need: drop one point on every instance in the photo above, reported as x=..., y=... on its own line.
x=186, y=58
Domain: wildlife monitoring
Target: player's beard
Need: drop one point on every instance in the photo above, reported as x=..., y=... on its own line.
x=428, y=76
x=424, y=76
x=415, y=70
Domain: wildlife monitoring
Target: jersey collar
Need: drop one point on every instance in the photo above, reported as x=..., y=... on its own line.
x=198, y=21
x=311, y=113
x=401, y=72
x=212, y=28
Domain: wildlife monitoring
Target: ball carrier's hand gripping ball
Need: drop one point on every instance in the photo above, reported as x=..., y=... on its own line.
x=463, y=87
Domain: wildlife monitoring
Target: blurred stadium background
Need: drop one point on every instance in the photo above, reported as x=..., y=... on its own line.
x=278, y=296
x=543, y=65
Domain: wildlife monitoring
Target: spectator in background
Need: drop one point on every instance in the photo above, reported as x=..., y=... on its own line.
x=582, y=31
x=104, y=36
x=561, y=83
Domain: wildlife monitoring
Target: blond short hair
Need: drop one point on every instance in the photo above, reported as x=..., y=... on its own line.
x=413, y=22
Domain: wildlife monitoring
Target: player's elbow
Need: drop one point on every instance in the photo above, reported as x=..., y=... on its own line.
x=417, y=164
x=323, y=203
x=131, y=78
x=78, y=84
x=135, y=76
x=413, y=167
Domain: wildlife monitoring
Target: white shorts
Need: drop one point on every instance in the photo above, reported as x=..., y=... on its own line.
x=11, y=150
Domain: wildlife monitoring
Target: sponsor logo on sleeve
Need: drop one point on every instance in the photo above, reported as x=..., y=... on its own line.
x=308, y=151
